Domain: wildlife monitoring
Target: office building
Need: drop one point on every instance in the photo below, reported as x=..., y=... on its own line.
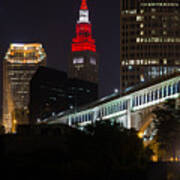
x=20, y=63
x=52, y=92
x=149, y=41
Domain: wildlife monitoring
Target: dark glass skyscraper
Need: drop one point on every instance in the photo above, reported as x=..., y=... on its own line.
x=52, y=92
x=83, y=63
x=150, y=40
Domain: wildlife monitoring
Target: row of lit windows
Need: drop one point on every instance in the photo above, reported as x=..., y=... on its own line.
x=141, y=11
x=133, y=11
x=25, y=61
x=22, y=92
x=158, y=25
x=160, y=32
x=162, y=4
x=80, y=60
x=150, y=71
x=158, y=40
x=152, y=47
x=151, y=31
x=146, y=55
x=143, y=62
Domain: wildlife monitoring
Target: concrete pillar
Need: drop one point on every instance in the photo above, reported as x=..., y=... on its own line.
x=150, y=98
x=145, y=98
x=69, y=121
x=153, y=95
x=128, y=123
x=158, y=93
x=102, y=111
x=166, y=91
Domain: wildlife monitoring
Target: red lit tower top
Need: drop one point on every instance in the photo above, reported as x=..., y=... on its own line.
x=84, y=5
x=83, y=40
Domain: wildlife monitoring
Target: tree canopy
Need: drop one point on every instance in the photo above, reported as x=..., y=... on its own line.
x=167, y=125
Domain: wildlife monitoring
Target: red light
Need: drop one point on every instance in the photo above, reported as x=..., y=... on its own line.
x=84, y=5
x=83, y=40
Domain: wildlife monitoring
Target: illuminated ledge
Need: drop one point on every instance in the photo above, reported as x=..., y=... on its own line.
x=25, y=61
x=22, y=45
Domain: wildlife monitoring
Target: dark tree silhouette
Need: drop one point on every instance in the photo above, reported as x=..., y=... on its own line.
x=121, y=146
x=167, y=125
x=105, y=150
x=2, y=129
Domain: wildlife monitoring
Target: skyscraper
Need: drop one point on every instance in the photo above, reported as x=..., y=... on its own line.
x=52, y=92
x=150, y=40
x=83, y=63
x=19, y=65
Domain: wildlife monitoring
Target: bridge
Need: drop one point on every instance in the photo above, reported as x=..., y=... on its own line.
x=133, y=108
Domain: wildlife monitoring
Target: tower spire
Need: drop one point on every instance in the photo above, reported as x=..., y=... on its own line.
x=84, y=5
x=83, y=13
x=83, y=64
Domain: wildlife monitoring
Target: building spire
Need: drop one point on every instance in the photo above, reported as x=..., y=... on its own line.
x=84, y=5
x=84, y=13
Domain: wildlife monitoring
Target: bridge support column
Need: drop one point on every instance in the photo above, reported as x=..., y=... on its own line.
x=69, y=121
x=145, y=98
x=128, y=123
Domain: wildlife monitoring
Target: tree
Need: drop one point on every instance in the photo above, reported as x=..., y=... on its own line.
x=122, y=147
x=2, y=129
x=167, y=126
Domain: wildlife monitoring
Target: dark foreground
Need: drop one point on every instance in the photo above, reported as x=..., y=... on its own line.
x=72, y=155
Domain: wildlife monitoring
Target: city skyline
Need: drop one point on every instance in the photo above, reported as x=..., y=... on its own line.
x=53, y=25
x=90, y=89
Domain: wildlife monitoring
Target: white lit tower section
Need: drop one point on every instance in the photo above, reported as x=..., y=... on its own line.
x=83, y=63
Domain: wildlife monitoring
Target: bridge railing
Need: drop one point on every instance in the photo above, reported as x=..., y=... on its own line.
x=138, y=100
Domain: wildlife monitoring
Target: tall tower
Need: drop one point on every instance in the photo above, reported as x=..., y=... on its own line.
x=20, y=64
x=83, y=63
x=150, y=40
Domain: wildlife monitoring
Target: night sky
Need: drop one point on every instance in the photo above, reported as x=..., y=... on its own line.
x=52, y=23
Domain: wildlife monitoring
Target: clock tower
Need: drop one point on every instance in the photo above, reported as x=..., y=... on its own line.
x=83, y=63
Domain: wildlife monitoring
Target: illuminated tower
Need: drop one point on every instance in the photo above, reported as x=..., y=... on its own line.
x=20, y=64
x=83, y=63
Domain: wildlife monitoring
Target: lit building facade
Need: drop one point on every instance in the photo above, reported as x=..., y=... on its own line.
x=20, y=63
x=150, y=40
x=83, y=63
x=1, y=81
